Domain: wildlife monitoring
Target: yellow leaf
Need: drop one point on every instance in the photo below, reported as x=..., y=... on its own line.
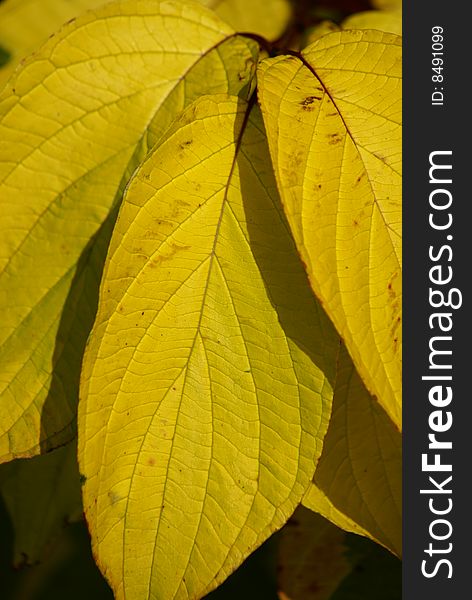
x=389, y=21
x=75, y=122
x=311, y=558
x=357, y=484
x=26, y=24
x=388, y=4
x=206, y=384
x=333, y=122
x=318, y=31
x=268, y=18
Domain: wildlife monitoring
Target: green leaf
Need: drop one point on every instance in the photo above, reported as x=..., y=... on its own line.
x=333, y=120
x=206, y=384
x=268, y=18
x=42, y=495
x=358, y=480
x=311, y=561
x=75, y=122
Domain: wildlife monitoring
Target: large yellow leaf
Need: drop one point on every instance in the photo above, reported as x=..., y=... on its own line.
x=26, y=24
x=268, y=18
x=333, y=121
x=74, y=124
x=206, y=384
x=357, y=484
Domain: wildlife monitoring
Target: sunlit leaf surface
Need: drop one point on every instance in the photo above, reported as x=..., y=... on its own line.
x=206, y=387
x=74, y=124
x=26, y=24
x=333, y=121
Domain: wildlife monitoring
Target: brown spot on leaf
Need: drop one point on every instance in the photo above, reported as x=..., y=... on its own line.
x=306, y=104
x=381, y=157
x=390, y=287
x=174, y=248
x=113, y=497
x=186, y=144
x=335, y=138
x=151, y=461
